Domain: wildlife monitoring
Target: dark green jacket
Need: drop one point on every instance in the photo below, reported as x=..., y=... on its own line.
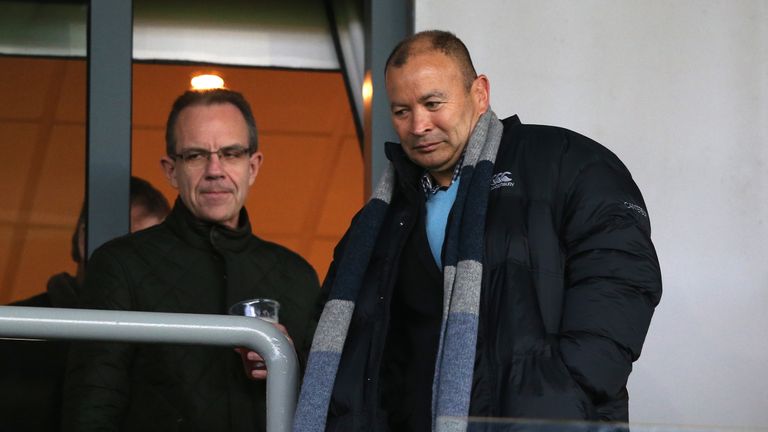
x=182, y=265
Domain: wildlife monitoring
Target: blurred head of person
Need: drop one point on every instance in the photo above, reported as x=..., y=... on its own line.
x=148, y=207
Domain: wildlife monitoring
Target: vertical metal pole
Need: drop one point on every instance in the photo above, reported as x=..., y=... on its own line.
x=345, y=21
x=388, y=23
x=110, y=45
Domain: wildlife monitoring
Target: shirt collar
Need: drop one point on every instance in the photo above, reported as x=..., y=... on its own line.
x=431, y=187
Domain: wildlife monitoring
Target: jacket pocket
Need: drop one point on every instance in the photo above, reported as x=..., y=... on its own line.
x=539, y=385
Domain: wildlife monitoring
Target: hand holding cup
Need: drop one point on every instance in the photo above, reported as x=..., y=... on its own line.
x=267, y=310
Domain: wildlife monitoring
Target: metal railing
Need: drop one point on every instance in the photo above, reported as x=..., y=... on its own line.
x=172, y=328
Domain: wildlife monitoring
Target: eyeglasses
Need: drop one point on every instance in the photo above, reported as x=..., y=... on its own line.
x=196, y=158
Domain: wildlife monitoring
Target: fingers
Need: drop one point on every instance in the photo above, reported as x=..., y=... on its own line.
x=255, y=367
x=255, y=357
x=259, y=374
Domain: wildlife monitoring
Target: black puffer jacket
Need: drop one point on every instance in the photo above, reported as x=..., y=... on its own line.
x=182, y=265
x=571, y=280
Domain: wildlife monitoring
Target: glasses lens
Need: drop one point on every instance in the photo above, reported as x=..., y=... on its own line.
x=196, y=158
x=232, y=154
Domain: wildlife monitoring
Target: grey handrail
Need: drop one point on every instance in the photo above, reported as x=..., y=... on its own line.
x=156, y=327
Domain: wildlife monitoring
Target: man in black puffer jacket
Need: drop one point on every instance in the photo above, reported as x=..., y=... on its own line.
x=201, y=259
x=564, y=285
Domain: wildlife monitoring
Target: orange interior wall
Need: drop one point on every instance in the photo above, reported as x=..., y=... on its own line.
x=42, y=125
x=309, y=187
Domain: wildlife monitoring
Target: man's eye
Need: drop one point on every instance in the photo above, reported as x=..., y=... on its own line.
x=193, y=156
x=399, y=113
x=432, y=105
x=233, y=153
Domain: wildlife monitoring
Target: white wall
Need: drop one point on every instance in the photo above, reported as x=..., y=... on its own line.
x=679, y=90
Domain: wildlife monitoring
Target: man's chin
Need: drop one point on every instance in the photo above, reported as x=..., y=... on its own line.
x=432, y=166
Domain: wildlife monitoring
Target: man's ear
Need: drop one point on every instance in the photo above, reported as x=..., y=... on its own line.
x=254, y=163
x=169, y=168
x=481, y=93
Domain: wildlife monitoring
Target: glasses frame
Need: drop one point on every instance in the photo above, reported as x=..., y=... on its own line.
x=207, y=154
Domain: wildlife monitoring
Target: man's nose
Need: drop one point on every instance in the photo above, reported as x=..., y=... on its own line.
x=213, y=166
x=421, y=122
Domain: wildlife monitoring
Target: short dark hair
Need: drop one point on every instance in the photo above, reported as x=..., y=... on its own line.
x=152, y=200
x=435, y=40
x=209, y=97
x=142, y=193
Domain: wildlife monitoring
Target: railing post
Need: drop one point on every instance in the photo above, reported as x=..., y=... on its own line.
x=171, y=328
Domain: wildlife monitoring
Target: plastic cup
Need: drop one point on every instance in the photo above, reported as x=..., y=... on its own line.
x=262, y=308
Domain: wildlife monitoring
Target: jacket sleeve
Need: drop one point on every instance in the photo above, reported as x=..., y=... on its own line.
x=97, y=387
x=612, y=277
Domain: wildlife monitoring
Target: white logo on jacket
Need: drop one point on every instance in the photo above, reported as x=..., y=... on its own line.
x=502, y=179
x=636, y=208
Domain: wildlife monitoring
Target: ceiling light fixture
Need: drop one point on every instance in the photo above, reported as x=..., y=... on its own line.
x=206, y=82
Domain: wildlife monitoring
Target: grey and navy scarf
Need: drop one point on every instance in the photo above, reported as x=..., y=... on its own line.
x=462, y=277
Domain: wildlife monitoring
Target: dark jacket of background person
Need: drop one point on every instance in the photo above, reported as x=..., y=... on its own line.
x=570, y=283
x=32, y=372
x=182, y=265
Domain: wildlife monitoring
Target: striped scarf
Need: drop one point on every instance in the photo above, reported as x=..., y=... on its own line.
x=462, y=278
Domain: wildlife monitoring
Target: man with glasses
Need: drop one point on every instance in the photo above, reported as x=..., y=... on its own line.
x=201, y=259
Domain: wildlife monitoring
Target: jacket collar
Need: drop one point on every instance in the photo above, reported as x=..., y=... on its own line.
x=511, y=122
x=206, y=235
